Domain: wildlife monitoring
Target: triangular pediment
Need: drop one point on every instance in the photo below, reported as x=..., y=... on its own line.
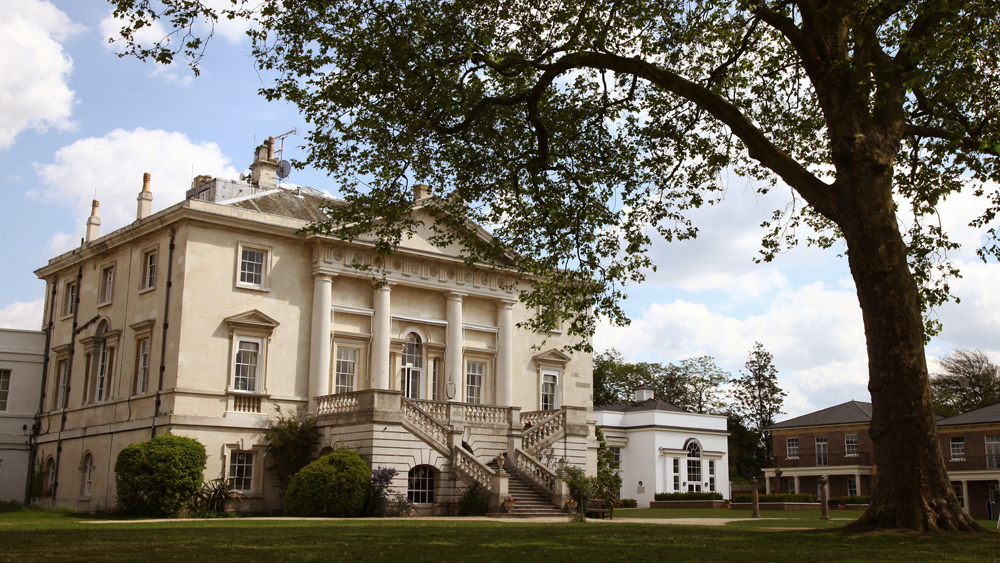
x=421, y=240
x=252, y=319
x=552, y=355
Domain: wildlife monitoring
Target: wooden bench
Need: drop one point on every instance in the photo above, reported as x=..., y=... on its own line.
x=596, y=506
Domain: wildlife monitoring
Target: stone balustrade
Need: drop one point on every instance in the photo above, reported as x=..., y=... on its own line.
x=475, y=469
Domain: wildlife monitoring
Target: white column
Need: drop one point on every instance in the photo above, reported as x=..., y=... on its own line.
x=767, y=484
x=454, y=365
x=798, y=491
x=319, y=340
x=965, y=495
x=505, y=353
x=381, y=327
x=857, y=483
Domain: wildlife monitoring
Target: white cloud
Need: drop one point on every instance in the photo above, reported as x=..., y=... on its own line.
x=23, y=315
x=233, y=31
x=114, y=164
x=975, y=322
x=34, y=93
x=815, y=334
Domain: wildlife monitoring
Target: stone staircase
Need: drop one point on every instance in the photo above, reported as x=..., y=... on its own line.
x=530, y=501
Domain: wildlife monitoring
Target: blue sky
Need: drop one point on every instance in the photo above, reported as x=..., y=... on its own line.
x=74, y=117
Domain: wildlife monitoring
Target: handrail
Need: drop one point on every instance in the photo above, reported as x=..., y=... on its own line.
x=532, y=469
x=341, y=402
x=436, y=409
x=487, y=413
x=475, y=469
x=545, y=432
x=433, y=430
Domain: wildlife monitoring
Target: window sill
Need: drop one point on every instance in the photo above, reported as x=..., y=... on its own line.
x=957, y=459
x=147, y=289
x=66, y=317
x=259, y=288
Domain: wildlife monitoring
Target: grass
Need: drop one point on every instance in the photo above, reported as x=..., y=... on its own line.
x=61, y=536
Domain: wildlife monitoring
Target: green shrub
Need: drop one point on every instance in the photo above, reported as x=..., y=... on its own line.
x=473, y=502
x=334, y=485
x=214, y=499
x=688, y=496
x=858, y=499
x=159, y=477
x=775, y=497
x=291, y=441
x=581, y=487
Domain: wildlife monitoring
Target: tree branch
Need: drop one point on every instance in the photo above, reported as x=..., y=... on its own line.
x=969, y=143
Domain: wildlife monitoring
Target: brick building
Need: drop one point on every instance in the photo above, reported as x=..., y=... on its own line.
x=835, y=442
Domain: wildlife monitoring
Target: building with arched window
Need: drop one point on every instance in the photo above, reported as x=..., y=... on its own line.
x=203, y=318
x=661, y=448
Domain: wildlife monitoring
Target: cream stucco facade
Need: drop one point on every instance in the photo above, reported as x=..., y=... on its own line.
x=21, y=359
x=202, y=319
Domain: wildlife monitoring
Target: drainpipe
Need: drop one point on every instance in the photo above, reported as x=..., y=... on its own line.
x=163, y=341
x=69, y=377
x=32, y=440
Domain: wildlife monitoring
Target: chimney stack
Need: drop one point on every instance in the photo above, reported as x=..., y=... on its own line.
x=420, y=191
x=263, y=171
x=145, y=199
x=93, y=223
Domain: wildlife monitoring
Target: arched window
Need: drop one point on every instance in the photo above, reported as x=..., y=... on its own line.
x=88, y=474
x=412, y=366
x=420, y=485
x=50, y=477
x=694, y=467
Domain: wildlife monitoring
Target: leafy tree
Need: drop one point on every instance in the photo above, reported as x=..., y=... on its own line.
x=615, y=380
x=291, y=441
x=757, y=399
x=577, y=130
x=608, y=484
x=703, y=379
x=969, y=380
x=746, y=452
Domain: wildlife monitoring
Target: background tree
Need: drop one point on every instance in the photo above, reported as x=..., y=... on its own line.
x=757, y=399
x=576, y=129
x=694, y=384
x=968, y=380
x=291, y=443
x=747, y=455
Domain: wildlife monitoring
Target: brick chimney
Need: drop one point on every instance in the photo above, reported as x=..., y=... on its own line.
x=420, y=191
x=145, y=199
x=264, y=169
x=93, y=223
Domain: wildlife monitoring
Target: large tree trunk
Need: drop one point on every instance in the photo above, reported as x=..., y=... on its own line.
x=913, y=489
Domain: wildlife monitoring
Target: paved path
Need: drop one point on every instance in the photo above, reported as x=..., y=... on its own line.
x=542, y=520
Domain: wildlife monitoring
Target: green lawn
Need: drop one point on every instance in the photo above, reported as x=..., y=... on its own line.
x=53, y=536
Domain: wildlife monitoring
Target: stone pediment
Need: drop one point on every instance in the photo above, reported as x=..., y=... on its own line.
x=552, y=356
x=252, y=319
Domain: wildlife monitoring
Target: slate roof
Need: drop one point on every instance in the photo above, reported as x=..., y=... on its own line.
x=633, y=406
x=978, y=416
x=851, y=412
x=303, y=205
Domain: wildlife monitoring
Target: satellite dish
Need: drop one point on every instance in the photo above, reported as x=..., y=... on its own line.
x=284, y=169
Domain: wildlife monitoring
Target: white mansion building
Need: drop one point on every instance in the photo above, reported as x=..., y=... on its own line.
x=202, y=319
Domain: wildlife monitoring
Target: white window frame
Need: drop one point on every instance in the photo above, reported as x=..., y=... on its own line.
x=229, y=451
x=992, y=449
x=62, y=368
x=265, y=274
x=353, y=376
x=852, y=487
x=694, y=467
x=142, y=364
x=957, y=487
x=88, y=474
x=479, y=385
x=5, y=375
x=825, y=453
x=616, y=456
x=957, y=448
x=554, y=404
x=148, y=280
x=235, y=456
x=258, y=379
x=424, y=495
x=102, y=378
x=850, y=449
x=677, y=474
x=789, y=448
x=106, y=289
x=69, y=299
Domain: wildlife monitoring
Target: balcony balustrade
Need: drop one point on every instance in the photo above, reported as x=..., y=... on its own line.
x=821, y=460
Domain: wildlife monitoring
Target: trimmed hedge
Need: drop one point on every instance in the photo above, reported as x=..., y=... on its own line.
x=334, y=485
x=688, y=496
x=857, y=499
x=159, y=477
x=775, y=497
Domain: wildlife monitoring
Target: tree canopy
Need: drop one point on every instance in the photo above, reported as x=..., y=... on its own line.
x=576, y=131
x=968, y=380
x=757, y=399
x=694, y=384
